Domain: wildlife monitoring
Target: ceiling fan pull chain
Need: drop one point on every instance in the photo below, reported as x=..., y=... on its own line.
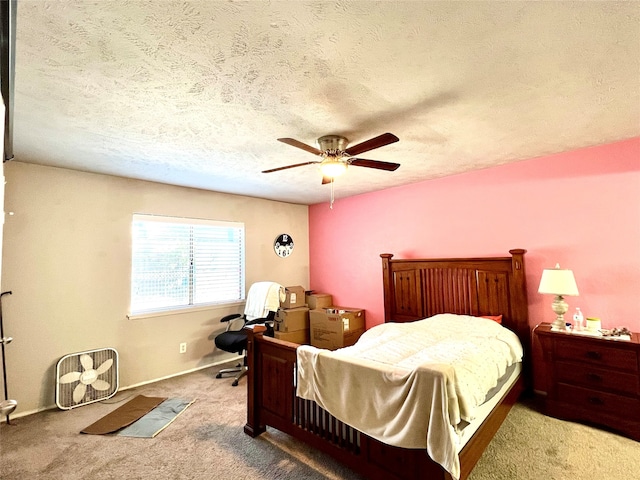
x=331, y=204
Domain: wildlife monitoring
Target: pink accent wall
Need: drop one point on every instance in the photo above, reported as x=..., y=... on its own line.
x=580, y=209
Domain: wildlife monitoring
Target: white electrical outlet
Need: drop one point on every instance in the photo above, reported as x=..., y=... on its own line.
x=183, y=347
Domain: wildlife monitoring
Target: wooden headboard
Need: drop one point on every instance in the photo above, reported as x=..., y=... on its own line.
x=419, y=288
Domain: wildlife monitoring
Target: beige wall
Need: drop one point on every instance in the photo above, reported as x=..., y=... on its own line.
x=66, y=258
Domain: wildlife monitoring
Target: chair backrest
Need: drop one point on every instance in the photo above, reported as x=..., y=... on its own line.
x=262, y=298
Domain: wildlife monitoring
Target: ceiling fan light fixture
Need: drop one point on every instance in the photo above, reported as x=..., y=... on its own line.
x=335, y=157
x=333, y=168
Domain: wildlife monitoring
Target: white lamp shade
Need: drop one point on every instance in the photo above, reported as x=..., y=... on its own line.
x=558, y=281
x=333, y=168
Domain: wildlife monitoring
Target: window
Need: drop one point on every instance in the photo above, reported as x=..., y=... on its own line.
x=183, y=262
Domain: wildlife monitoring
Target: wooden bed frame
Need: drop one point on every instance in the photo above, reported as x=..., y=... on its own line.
x=413, y=289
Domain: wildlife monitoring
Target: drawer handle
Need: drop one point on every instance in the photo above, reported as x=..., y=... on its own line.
x=592, y=377
x=594, y=355
x=595, y=401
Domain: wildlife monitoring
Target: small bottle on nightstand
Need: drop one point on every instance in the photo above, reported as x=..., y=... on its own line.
x=578, y=320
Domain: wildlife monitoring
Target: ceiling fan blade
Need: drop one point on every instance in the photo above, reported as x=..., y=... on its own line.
x=303, y=146
x=376, y=142
x=362, y=162
x=288, y=166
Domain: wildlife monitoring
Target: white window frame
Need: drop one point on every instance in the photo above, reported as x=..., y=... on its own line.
x=166, y=305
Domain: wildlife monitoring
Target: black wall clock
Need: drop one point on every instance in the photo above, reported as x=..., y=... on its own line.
x=283, y=245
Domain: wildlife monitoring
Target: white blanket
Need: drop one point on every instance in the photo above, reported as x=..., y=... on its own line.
x=410, y=384
x=263, y=297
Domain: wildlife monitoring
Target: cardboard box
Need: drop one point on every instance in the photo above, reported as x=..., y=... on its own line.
x=297, y=336
x=294, y=297
x=292, y=319
x=336, y=327
x=319, y=300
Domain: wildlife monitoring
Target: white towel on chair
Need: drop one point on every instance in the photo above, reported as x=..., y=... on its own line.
x=263, y=297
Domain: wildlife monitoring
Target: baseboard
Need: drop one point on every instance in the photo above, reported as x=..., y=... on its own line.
x=167, y=377
x=128, y=387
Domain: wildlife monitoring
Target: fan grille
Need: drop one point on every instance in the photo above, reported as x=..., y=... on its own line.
x=83, y=372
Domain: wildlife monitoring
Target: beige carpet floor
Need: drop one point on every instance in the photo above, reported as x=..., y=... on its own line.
x=207, y=442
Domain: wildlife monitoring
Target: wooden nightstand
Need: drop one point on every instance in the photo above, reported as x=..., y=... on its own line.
x=592, y=379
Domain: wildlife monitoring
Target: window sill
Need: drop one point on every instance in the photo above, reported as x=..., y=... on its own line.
x=183, y=310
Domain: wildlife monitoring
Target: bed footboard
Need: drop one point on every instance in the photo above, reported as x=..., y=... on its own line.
x=272, y=402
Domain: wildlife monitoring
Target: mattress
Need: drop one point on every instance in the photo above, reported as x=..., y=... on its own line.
x=413, y=385
x=466, y=431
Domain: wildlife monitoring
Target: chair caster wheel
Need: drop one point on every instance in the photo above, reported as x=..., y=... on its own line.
x=235, y=383
x=219, y=375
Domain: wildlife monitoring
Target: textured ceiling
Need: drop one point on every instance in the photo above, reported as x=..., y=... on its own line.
x=195, y=93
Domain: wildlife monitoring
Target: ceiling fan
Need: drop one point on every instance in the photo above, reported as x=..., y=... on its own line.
x=335, y=157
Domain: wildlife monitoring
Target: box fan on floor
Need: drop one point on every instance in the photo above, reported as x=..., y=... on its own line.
x=86, y=377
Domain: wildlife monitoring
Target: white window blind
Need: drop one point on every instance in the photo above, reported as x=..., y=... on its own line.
x=183, y=262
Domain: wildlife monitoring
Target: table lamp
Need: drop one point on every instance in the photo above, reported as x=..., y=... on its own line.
x=558, y=282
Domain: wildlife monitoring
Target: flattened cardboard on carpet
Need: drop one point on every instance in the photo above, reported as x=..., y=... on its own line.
x=124, y=415
x=157, y=419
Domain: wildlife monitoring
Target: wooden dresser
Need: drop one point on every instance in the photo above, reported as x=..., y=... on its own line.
x=593, y=380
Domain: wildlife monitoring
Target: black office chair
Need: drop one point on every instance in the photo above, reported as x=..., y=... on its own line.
x=235, y=341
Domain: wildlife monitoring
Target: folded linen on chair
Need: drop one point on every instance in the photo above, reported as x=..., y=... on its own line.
x=263, y=297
